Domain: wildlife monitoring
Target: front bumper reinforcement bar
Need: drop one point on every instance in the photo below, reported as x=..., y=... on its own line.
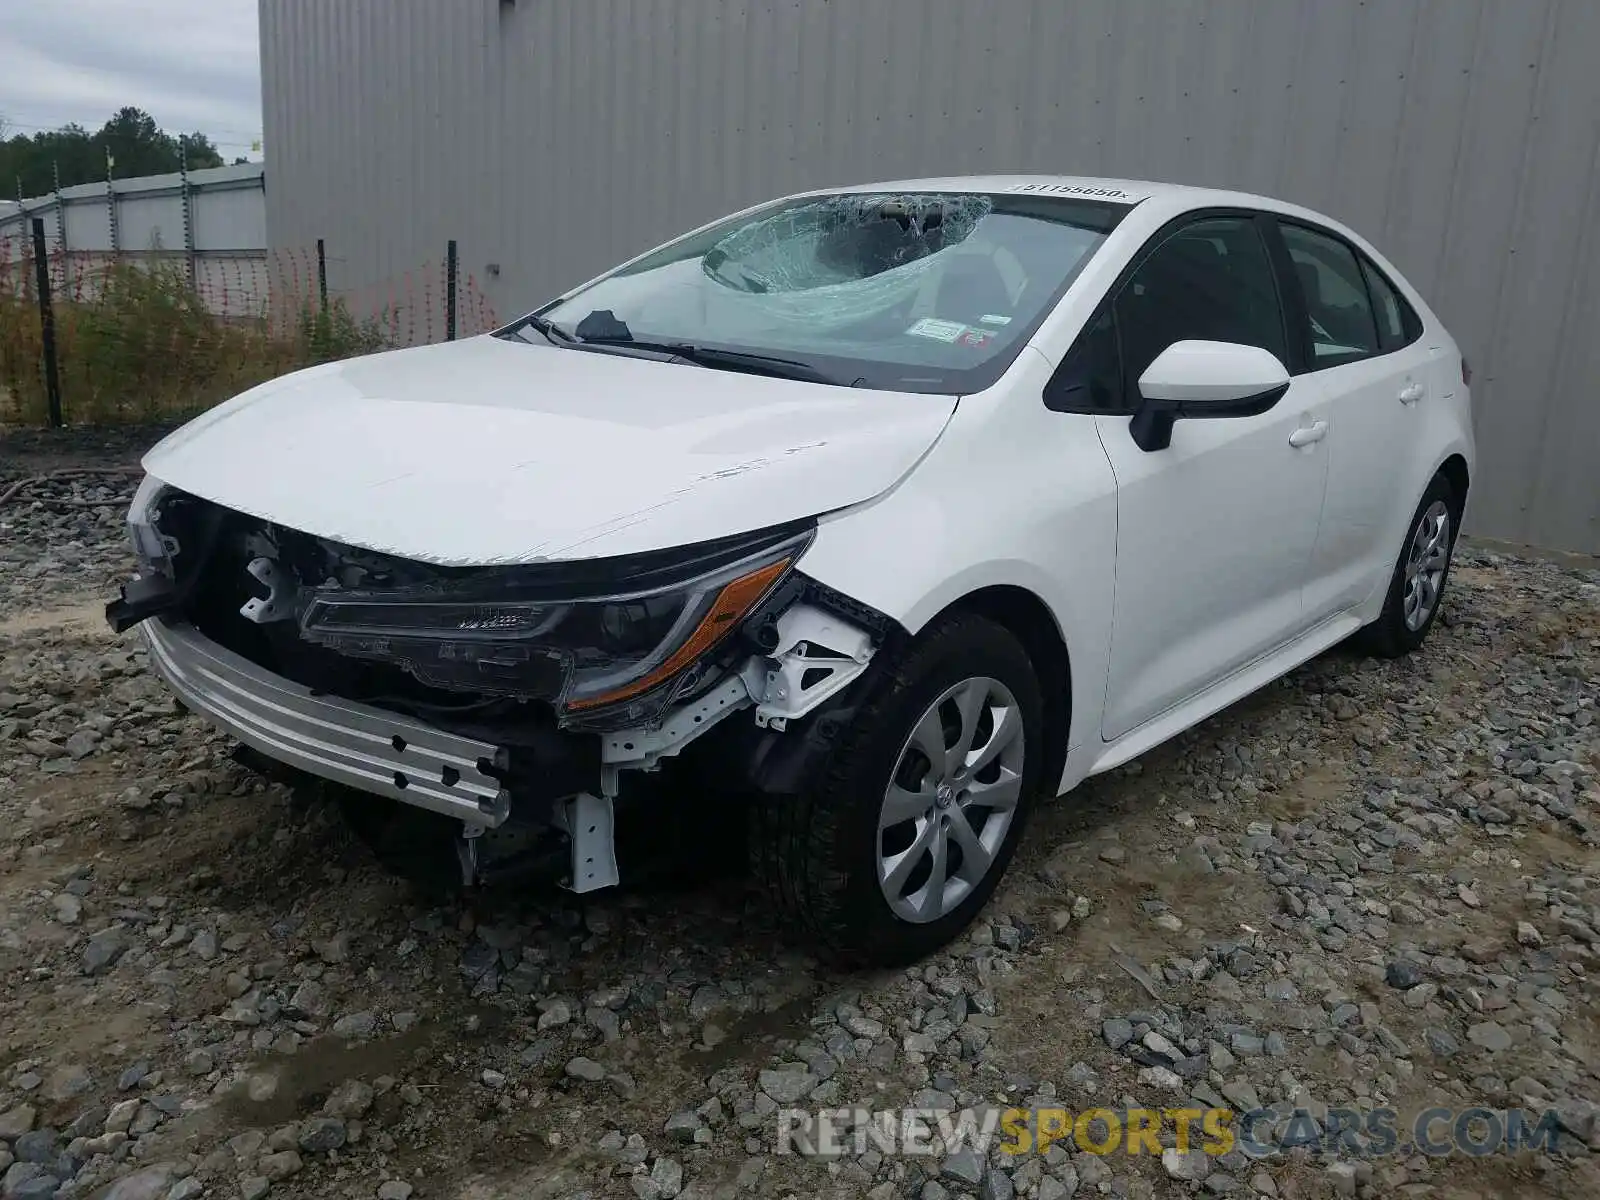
x=355, y=744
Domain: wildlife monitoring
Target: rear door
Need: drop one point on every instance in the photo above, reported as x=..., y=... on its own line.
x=1363, y=345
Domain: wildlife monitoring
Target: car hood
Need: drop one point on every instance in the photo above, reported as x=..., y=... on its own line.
x=491, y=450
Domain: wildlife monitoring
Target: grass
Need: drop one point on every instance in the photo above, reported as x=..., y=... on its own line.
x=140, y=345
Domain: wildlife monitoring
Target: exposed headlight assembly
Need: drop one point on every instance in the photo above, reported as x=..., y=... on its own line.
x=151, y=550
x=617, y=637
x=154, y=589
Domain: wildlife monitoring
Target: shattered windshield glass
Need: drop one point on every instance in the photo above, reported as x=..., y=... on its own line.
x=912, y=291
x=844, y=258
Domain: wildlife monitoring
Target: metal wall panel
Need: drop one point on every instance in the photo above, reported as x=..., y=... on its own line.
x=553, y=137
x=88, y=226
x=149, y=223
x=228, y=219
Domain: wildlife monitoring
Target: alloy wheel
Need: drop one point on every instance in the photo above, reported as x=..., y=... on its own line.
x=1426, y=561
x=951, y=799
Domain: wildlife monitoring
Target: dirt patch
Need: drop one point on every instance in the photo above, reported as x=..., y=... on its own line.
x=87, y=618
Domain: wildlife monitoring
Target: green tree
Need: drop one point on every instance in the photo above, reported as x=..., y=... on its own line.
x=137, y=145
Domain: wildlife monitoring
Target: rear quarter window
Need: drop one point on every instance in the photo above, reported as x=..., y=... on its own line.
x=1398, y=323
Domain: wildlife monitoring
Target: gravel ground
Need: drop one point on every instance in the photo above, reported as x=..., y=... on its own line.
x=1373, y=883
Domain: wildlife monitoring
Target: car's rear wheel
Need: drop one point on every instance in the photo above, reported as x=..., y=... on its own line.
x=899, y=840
x=1416, y=587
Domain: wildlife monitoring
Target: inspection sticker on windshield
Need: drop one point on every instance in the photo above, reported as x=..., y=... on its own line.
x=939, y=331
x=994, y=319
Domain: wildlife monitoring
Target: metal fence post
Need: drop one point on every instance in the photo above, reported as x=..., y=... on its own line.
x=322, y=276
x=188, y=211
x=61, y=228
x=111, y=208
x=29, y=270
x=47, y=325
x=450, y=291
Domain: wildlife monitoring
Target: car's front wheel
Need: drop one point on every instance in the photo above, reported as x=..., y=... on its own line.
x=891, y=850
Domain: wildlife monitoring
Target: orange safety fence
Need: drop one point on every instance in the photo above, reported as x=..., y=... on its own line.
x=137, y=338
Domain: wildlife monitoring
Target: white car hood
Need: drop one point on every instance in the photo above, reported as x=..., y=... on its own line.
x=497, y=451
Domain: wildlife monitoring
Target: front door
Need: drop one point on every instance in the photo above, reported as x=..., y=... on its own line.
x=1214, y=533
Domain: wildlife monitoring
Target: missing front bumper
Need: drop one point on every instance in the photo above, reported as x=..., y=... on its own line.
x=470, y=780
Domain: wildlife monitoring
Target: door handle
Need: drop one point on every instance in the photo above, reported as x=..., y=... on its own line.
x=1411, y=393
x=1307, y=434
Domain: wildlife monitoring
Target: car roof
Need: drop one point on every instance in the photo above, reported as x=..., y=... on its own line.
x=1171, y=197
x=1126, y=191
x=1167, y=199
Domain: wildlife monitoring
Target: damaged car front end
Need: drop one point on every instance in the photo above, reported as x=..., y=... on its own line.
x=504, y=697
x=727, y=545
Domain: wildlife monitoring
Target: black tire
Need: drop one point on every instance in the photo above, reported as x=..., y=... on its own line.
x=817, y=851
x=411, y=843
x=1390, y=636
x=677, y=841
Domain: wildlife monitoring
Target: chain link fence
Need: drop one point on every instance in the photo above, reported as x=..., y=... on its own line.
x=88, y=337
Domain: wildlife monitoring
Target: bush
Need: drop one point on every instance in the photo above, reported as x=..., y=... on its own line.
x=136, y=344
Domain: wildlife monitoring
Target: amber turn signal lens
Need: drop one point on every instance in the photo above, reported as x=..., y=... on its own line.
x=733, y=602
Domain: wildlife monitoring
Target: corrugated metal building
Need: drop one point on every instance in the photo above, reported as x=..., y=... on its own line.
x=555, y=137
x=219, y=224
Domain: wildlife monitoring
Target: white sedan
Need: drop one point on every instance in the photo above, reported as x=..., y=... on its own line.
x=904, y=506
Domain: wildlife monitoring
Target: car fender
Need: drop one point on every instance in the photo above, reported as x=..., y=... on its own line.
x=1012, y=495
x=1458, y=445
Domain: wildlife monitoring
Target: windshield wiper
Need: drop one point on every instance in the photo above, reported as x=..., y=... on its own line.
x=551, y=331
x=610, y=334
x=724, y=360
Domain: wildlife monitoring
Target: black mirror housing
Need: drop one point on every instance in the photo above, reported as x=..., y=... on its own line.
x=1151, y=426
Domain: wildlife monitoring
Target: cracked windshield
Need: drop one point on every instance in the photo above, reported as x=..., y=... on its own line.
x=930, y=292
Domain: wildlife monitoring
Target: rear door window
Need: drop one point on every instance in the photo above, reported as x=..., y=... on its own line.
x=1340, y=325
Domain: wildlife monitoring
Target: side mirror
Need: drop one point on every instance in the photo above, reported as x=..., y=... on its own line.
x=1205, y=379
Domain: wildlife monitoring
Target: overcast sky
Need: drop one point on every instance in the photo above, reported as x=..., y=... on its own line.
x=192, y=64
